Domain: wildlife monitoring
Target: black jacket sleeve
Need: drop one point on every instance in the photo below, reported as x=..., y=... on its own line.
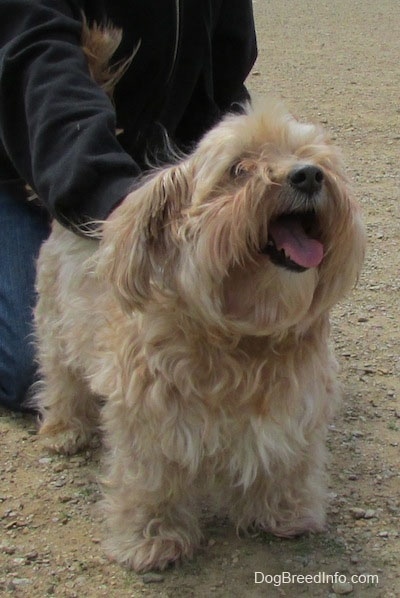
x=56, y=125
x=234, y=47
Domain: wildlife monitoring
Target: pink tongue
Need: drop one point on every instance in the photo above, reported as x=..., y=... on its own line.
x=289, y=235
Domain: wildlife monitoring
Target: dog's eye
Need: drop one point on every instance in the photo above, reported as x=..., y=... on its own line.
x=234, y=170
x=239, y=169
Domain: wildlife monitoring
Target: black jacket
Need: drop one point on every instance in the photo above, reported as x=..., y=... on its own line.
x=57, y=127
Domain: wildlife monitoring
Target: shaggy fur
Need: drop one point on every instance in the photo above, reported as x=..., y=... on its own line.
x=195, y=340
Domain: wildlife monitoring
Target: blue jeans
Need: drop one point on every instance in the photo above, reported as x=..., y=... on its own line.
x=23, y=228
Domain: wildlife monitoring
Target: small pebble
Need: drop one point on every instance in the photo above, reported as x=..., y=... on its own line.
x=31, y=556
x=20, y=581
x=369, y=514
x=153, y=578
x=342, y=589
x=19, y=560
x=358, y=513
x=7, y=549
x=59, y=468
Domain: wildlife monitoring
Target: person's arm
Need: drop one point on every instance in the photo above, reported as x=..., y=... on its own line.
x=56, y=124
x=234, y=52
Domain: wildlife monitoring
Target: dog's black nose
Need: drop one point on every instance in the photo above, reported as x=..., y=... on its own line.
x=307, y=179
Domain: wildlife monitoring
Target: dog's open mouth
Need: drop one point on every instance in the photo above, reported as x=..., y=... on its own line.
x=293, y=242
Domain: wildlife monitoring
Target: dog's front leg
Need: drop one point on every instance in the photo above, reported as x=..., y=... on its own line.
x=69, y=411
x=288, y=498
x=150, y=504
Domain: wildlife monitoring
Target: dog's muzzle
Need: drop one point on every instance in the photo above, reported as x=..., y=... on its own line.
x=293, y=237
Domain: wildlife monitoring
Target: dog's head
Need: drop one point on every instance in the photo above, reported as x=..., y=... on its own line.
x=254, y=233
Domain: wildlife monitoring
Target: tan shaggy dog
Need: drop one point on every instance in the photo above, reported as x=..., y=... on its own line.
x=196, y=332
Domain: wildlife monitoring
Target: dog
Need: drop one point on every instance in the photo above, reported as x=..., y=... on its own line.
x=195, y=333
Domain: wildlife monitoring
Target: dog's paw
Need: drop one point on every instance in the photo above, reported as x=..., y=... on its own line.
x=65, y=440
x=292, y=529
x=153, y=554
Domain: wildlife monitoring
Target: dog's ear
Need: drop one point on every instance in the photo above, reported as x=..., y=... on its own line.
x=139, y=240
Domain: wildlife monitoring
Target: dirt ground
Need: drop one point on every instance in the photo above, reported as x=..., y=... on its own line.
x=336, y=62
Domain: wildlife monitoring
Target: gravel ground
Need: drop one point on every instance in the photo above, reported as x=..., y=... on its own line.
x=336, y=62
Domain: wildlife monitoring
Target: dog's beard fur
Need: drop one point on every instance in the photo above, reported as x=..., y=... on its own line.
x=206, y=340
